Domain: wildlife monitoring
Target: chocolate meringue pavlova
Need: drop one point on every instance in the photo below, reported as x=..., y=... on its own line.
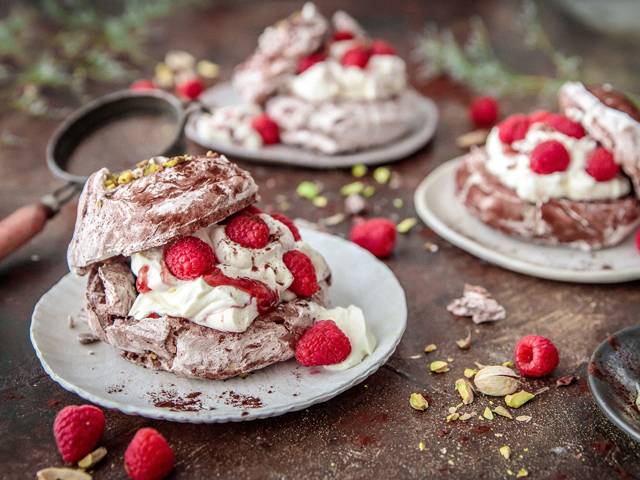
x=324, y=86
x=560, y=178
x=186, y=274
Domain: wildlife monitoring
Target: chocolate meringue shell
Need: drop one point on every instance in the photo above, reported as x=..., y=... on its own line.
x=151, y=210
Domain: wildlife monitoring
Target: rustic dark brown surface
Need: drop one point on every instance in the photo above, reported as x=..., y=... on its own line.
x=368, y=431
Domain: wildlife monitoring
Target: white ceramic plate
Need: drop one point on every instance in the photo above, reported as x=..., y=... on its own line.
x=436, y=203
x=105, y=378
x=223, y=94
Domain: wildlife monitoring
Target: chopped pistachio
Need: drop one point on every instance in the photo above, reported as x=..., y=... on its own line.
x=125, y=177
x=171, y=163
x=320, y=201
x=465, y=390
x=466, y=416
x=398, y=203
x=508, y=363
x=208, y=69
x=465, y=343
x=522, y=473
x=368, y=191
x=523, y=418
x=505, y=451
x=509, y=472
x=359, y=170
x=109, y=184
x=382, y=175
x=488, y=414
x=638, y=396
x=418, y=402
x=422, y=446
x=406, y=225
x=503, y=412
x=439, y=366
x=151, y=168
x=470, y=372
x=92, y=458
x=163, y=75
x=496, y=380
x=450, y=359
x=351, y=188
x=518, y=399
x=452, y=409
x=308, y=190
x=452, y=417
x=476, y=137
x=432, y=347
x=54, y=473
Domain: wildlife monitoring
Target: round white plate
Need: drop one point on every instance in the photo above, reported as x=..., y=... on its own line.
x=97, y=373
x=223, y=94
x=436, y=203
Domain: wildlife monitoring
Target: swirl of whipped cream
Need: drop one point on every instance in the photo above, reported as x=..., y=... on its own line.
x=384, y=77
x=225, y=307
x=512, y=168
x=230, y=124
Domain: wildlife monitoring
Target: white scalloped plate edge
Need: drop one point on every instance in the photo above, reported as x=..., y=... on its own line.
x=372, y=363
x=442, y=177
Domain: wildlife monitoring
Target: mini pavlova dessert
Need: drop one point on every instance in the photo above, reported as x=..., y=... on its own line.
x=560, y=178
x=186, y=274
x=319, y=85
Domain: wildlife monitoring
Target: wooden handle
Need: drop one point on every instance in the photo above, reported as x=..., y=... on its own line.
x=21, y=226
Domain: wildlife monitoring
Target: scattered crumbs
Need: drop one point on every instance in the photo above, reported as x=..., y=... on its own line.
x=566, y=380
x=87, y=338
x=35, y=257
x=476, y=302
x=244, y=414
x=431, y=247
x=239, y=400
x=91, y=352
x=171, y=400
x=71, y=322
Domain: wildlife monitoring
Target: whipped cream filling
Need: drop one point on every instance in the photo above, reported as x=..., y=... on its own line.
x=230, y=124
x=384, y=77
x=225, y=308
x=512, y=167
x=351, y=322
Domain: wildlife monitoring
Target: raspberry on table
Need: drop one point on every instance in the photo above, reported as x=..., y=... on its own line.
x=536, y=356
x=305, y=281
x=377, y=235
x=549, y=157
x=484, y=111
x=322, y=344
x=381, y=47
x=248, y=230
x=148, y=456
x=267, y=128
x=189, y=257
x=564, y=124
x=309, y=61
x=514, y=127
x=190, y=88
x=77, y=430
x=340, y=35
x=356, y=57
x=289, y=223
x=601, y=165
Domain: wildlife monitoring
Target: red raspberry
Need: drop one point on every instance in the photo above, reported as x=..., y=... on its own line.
x=141, y=280
x=549, y=157
x=143, y=85
x=536, y=356
x=341, y=35
x=289, y=223
x=266, y=298
x=564, y=125
x=514, y=127
x=539, y=116
x=267, y=128
x=189, y=257
x=380, y=47
x=190, y=88
x=309, y=61
x=305, y=282
x=77, y=430
x=148, y=456
x=601, y=165
x=322, y=344
x=377, y=235
x=248, y=230
x=484, y=111
x=356, y=57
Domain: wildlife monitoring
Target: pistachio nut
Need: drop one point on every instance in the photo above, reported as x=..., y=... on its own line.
x=518, y=399
x=503, y=412
x=440, y=366
x=54, y=473
x=487, y=414
x=505, y=451
x=418, y=402
x=432, y=347
x=465, y=390
x=496, y=380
